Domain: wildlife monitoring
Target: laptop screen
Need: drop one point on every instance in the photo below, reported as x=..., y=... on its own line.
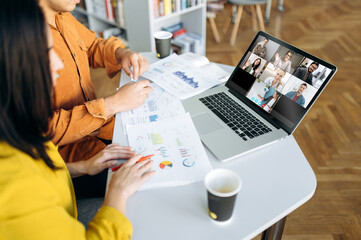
x=279, y=81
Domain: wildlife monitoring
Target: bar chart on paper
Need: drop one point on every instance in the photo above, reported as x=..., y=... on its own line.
x=158, y=106
x=179, y=77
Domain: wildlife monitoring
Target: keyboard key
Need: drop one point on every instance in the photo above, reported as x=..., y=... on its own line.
x=235, y=116
x=220, y=115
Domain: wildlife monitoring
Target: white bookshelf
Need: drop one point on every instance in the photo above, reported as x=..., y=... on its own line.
x=140, y=23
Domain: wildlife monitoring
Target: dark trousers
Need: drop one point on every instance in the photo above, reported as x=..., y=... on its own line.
x=90, y=186
x=89, y=193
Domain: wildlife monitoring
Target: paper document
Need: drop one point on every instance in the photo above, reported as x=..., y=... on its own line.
x=179, y=156
x=205, y=65
x=181, y=78
x=158, y=106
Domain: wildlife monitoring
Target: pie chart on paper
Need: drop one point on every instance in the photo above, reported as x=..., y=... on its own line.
x=165, y=164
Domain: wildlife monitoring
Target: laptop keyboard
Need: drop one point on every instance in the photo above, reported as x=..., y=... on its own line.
x=235, y=116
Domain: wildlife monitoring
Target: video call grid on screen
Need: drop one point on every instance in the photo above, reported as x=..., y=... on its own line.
x=280, y=79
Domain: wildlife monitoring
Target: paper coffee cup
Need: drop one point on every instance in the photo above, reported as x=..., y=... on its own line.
x=162, y=43
x=222, y=187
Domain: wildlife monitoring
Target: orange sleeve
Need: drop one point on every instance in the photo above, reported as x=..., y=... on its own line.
x=69, y=126
x=101, y=52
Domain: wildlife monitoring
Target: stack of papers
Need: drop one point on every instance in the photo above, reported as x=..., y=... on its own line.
x=161, y=127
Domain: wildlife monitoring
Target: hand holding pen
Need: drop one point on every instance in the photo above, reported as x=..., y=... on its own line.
x=140, y=160
x=126, y=181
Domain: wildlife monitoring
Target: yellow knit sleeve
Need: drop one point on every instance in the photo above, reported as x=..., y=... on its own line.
x=36, y=203
x=105, y=221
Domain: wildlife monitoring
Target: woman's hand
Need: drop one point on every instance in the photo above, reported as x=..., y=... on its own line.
x=126, y=180
x=106, y=158
x=277, y=57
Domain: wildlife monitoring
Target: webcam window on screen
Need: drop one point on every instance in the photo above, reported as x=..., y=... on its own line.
x=281, y=81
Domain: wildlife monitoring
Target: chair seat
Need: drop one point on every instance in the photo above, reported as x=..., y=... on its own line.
x=215, y=7
x=255, y=8
x=247, y=2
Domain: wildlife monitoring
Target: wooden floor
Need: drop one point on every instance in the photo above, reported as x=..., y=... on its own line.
x=330, y=134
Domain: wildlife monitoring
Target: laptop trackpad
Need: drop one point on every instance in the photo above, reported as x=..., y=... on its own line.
x=205, y=123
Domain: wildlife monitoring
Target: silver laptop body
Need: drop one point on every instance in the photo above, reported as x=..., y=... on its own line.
x=253, y=88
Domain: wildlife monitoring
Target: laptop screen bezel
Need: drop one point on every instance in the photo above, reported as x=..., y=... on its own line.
x=235, y=89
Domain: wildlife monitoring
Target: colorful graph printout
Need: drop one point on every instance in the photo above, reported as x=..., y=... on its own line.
x=181, y=78
x=164, y=164
x=179, y=157
x=158, y=106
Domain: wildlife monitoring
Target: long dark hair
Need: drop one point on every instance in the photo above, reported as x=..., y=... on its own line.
x=25, y=80
x=256, y=66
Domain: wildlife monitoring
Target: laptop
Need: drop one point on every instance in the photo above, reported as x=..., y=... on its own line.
x=269, y=92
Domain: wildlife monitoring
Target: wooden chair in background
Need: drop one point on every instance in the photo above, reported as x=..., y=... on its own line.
x=255, y=7
x=214, y=7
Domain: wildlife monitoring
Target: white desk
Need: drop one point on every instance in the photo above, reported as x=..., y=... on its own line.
x=276, y=180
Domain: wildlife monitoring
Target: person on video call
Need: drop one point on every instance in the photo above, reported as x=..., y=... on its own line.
x=253, y=68
x=271, y=101
x=273, y=83
x=37, y=196
x=82, y=124
x=305, y=74
x=285, y=62
x=260, y=49
x=297, y=96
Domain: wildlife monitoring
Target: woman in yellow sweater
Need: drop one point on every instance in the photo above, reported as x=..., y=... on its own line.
x=36, y=192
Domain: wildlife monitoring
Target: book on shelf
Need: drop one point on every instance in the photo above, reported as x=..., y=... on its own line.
x=176, y=29
x=179, y=33
x=189, y=42
x=110, y=10
x=118, y=6
x=173, y=28
x=176, y=48
x=166, y=7
x=161, y=8
x=155, y=8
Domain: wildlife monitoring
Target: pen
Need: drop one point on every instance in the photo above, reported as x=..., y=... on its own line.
x=145, y=158
x=140, y=160
x=116, y=168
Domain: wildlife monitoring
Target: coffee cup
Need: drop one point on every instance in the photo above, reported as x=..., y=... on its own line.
x=222, y=187
x=162, y=43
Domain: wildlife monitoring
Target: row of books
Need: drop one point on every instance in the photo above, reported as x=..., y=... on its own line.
x=165, y=7
x=183, y=41
x=111, y=10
